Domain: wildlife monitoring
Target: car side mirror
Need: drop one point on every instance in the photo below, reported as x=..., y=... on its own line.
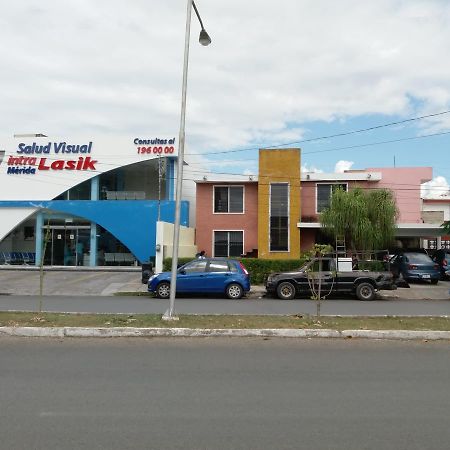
x=182, y=272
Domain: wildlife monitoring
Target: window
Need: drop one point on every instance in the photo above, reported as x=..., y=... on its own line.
x=228, y=243
x=195, y=266
x=228, y=199
x=218, y=266
x=279, y=217
x=28, y=233
x=324, y=192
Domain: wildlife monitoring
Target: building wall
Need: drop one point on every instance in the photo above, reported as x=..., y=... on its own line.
x=207, y=221
x=309, y=193
x=441, y=207
x=405, y=183
x=278, y=165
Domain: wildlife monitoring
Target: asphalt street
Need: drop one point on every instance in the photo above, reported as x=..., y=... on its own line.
x=185, y=305
x=82, y=290
x=223, y=394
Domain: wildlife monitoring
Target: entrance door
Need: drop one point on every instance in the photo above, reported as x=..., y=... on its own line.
x=66, y=246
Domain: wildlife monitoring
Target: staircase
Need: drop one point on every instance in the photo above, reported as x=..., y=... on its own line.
x=341, y=249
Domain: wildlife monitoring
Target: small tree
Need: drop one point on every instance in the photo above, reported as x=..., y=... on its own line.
x=41, y=264
x=315, y=278
x=366, y=219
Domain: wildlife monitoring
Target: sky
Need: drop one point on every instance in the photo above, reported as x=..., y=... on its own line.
x=292, y=73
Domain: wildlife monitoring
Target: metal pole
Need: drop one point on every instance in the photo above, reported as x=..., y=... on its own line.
x=170, y=313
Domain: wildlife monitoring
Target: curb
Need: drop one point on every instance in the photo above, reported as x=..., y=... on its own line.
x=62, y=332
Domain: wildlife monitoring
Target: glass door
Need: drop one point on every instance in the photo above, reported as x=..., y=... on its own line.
x=67, y=246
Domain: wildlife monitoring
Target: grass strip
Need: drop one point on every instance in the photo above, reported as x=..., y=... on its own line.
x=29, y=319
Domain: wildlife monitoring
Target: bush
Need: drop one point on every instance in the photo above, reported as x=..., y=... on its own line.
x=167, y=263
x=373, y=266
x=258, y=269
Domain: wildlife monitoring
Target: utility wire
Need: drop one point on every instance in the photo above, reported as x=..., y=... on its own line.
x=330, y=136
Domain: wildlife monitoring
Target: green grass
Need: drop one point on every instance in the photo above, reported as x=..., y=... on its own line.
x=26, y=319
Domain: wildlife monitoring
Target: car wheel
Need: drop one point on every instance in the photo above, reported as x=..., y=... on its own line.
x=365, y=291
x=163, y=290
x=434, y=281
x=286, y=290
x=234, y=291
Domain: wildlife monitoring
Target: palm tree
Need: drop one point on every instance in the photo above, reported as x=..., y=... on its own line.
x=366, y=219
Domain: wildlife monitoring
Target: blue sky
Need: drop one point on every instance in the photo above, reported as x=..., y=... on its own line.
x=274, y=73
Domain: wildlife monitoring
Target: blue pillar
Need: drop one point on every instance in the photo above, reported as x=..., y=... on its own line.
x=94, y=188
x=38, y=232
x=93, y=246
x=93, y=235
x=170, y=179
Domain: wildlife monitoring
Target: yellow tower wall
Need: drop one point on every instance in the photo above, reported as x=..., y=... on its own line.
x=279, y=166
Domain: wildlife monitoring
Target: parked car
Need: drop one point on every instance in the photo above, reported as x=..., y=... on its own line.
x=414, y=266
x=343, y=280
x=442, y=258
x=205, y=276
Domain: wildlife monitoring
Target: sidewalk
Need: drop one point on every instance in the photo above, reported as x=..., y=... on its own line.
x=22, y=280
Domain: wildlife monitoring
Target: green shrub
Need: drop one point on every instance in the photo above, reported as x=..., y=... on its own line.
x=373, y=266
x=167, y=263
x=258, y=269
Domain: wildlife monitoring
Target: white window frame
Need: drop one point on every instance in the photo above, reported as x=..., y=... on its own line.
x=228, y=186
x=228, y=244
x=289, y=217
x=329, y=183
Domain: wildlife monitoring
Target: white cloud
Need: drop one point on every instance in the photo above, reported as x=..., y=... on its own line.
x=80, y=66
x=436, y=188
x=342, y=166
x=310, y=169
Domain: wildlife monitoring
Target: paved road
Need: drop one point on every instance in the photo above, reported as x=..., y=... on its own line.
x=140, y=305
x=223, y=394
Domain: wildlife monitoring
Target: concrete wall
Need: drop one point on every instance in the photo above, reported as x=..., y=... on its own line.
x=164, y=243
x=442, y=207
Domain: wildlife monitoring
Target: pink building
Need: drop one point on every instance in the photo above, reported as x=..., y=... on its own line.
x=227, y=217
x=227, y=211
x=404, y=182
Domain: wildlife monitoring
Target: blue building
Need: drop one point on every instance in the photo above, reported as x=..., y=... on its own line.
x=85, y=202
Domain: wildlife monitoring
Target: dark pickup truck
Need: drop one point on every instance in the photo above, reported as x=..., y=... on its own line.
x=337, y=277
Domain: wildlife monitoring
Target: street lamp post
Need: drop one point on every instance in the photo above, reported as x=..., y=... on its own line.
x=204, y=39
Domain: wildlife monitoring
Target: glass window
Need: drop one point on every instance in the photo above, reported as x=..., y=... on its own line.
x=279, y=217
x=236, y=199
x=324, y=192
x=195, y=266
x=218, y=266
x=228, y=243
x=228, y=199
x=220, y=199
x=327, y=265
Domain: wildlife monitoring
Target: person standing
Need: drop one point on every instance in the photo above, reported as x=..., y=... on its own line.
x=201, y=255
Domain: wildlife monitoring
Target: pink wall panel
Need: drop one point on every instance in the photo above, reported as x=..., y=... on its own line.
x=207, y=221
x=405, y=182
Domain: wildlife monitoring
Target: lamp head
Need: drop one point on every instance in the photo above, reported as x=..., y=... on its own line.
x=204, y=38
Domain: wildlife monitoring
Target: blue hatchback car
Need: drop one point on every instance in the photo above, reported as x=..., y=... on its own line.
x=415, y=266
x=205, y=276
